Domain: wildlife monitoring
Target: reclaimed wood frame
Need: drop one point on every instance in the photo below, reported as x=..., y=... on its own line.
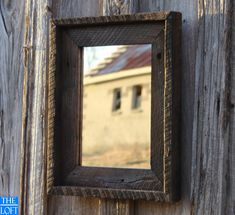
x=65, y=175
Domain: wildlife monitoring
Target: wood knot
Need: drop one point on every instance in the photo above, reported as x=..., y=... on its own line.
x=27, y=47
x=119, y=3
x=118, y=7
x=48, y=9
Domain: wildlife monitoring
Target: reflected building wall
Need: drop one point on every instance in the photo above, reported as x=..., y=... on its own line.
x=116, y=138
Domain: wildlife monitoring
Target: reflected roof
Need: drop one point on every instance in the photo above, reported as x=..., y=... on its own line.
x=127, y=57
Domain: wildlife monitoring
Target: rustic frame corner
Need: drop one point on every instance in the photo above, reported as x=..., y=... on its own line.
x=65, y=175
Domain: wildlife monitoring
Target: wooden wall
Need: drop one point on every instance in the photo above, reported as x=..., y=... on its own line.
x=208, y=115
x=11, y=85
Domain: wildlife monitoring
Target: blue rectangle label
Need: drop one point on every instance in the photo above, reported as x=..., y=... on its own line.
x=9, y=205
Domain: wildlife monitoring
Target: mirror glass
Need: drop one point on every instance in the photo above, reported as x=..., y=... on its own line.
x=116, y=106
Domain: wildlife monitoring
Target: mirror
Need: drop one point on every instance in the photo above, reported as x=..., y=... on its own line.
x=116, y=112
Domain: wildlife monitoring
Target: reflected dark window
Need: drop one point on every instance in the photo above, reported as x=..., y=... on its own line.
x=136, y=99
x=117, y=94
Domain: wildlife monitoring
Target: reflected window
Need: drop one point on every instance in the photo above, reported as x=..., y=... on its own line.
x=136, y=98
x=117, y=99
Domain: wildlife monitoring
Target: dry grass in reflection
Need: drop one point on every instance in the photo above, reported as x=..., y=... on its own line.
x=129, y=156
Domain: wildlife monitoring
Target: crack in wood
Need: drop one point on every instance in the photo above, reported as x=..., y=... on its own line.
x=117, y=7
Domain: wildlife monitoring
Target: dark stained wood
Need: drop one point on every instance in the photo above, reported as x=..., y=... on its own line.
x=71, y=36
x=67, y=105
x=176, y=106
x=140, y=179
x=109, y=193
x=104, y=35
x=157, y=104
x=229, y=195
x=172, y=106
x=102, y=20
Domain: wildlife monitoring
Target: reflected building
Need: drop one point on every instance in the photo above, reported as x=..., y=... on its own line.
x=116, y=110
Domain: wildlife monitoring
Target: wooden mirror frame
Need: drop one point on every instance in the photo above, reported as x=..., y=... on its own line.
x=65, y=175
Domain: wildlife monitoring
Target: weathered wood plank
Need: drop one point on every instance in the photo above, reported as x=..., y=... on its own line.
x=67, y=94
x=139, y=179
x=208, y=104
x=116, y=7
x=115, y=207
x=72, y=205
x=230, y=188
x=11, y=84
x=33, y=186
x=150, y=208
x=212, y=108
x=75, y=8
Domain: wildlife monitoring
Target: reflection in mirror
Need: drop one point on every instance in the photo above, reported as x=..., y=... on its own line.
x=117, y=106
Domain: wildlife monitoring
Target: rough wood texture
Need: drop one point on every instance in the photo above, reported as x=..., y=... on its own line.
x=157, y=116
x=11, y=85
x=73, y=205
x=212, y=107
x=230, y=197
x=33, y=165
x=116, y=7
x=203, y=152
x=68, y=106
x=208, y=151
x=76, y=8
x=130, y=179
x=66, y=38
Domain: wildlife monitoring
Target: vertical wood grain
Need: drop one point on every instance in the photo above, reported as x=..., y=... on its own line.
x=72, y=205
x=116, y=207
x=208, y=123
x=212, y=108
x=76, y=8
x=33, y=186
x=115, y=7
x=230, y=187
x=11, y=85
